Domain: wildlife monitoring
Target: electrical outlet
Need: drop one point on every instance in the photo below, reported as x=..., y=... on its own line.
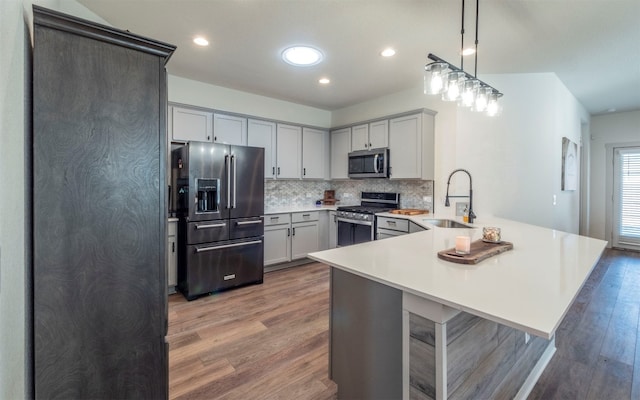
x=460, y=208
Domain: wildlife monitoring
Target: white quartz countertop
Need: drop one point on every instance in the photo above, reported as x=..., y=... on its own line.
x=529, y=288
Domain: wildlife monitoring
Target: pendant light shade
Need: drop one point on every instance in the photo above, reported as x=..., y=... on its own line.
x=493, y=107
x=455, y=82
x=435, y=77
x=469, y=91
x=482, y=99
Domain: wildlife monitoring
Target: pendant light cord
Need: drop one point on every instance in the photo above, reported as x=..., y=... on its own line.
x=462, y=39
x=475, y=71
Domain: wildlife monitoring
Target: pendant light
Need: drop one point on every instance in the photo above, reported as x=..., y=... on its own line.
x=454, y=84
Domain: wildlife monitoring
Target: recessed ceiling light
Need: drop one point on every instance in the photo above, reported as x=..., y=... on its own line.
x=200, y=41
x=302, y=56
x=468, y=51
x=324, y=81
x=388, y=52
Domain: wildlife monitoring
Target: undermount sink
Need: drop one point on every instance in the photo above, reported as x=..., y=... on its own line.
x=446, y=223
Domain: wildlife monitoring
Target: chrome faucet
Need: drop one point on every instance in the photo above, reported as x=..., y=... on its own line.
x=472, y=216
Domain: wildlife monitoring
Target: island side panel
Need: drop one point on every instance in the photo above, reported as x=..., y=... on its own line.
x=422, y=358
x=365, y=337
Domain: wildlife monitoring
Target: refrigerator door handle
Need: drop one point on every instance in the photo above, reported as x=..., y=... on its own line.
x=249, y=222
x=226, y=246
x=209, y=226
x=228, y=167
x=235, y=181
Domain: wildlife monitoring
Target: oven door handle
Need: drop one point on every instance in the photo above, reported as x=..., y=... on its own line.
x=226, y=246
x=351, y=221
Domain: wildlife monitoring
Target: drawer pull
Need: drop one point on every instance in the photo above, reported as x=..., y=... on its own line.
x=391, y=222
x=272, y=218
x=306, y=215
x=229, y=277
x=211, y=226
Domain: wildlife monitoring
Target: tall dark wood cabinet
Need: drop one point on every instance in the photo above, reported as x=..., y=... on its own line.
x=99, y=211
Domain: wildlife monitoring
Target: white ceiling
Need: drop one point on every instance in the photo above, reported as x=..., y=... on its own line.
x=592, y=45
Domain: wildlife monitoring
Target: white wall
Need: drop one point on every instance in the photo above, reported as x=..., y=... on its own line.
x=13, y=125
x=608, y=129
x=187, y=91
x=515, y=159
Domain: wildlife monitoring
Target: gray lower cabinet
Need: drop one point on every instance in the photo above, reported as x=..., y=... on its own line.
x=99, y=211
x=277, y=239
x=290, y=236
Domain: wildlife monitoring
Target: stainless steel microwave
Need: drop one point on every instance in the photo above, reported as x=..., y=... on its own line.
x=372, y=163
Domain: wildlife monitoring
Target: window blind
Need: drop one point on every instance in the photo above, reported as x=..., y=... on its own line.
x=628, y=197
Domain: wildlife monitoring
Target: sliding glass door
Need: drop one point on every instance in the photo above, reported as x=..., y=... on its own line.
x=626, y=198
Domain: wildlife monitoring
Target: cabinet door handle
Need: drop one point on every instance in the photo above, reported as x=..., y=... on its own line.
x=365, y=146
x=294, y=231
x=215, y=138
x=173, y=247
x=278, y=170
x=369, y=145
x=273, y=171
x=208, y=137
x=304, y=171
x=288, y=232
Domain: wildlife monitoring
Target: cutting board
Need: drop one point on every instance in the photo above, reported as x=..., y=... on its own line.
x=480, y=250
x=409, y=211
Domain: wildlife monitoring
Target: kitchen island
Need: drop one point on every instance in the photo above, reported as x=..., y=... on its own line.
x=406, y=324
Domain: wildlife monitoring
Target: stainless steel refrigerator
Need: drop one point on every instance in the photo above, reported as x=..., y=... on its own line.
x=220, y=203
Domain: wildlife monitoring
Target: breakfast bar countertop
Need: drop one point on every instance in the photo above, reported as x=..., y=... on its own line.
x=529, y=288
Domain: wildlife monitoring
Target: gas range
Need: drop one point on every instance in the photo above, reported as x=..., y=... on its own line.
x=361, y=213
x=370, y=204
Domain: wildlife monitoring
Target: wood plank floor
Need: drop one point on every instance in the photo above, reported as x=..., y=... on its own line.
x=598, y=354
x=266, y=341
x=270, y=341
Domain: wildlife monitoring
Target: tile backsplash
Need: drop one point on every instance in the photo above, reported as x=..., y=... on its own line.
x=285, y=193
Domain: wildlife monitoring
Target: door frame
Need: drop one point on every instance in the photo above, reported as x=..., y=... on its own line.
x=610, y=148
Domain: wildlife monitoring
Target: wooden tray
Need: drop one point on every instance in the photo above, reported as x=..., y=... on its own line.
x=409, y=211
x=480, y=250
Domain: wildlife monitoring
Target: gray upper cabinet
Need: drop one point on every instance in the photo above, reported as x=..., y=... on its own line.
x=411, y=146
x=340, y=148
x=99, y=222
x=190, y=124
x=263, y=134
x=369, y=136
x=314, y=153
x=289, y=152
x=229, y=129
